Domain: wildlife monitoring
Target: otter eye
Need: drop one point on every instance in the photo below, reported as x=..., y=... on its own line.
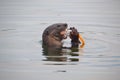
x=65, y=25
x=58, y=25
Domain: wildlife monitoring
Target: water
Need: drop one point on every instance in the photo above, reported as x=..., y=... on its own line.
x=22, y=23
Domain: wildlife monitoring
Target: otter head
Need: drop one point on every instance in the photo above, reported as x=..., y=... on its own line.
x=59, y=31
x=54, y=33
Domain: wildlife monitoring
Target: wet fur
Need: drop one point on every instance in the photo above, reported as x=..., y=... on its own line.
x=51, y=35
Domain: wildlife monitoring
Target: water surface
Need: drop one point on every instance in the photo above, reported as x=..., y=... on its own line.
x=22, y=56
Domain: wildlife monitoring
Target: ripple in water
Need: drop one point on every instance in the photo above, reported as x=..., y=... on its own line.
x=96, y=53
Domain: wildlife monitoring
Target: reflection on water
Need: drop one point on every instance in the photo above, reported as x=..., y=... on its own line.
x=67, y=54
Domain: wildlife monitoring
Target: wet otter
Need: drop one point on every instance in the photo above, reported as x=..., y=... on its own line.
x=54, y=34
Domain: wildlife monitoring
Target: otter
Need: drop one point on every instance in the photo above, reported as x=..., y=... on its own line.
x=54, y=34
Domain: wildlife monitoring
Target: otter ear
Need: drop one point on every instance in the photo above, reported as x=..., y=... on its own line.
x=47, y=33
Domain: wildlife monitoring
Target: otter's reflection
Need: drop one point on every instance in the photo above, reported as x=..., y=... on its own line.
x=53, y=54
x=60, y=54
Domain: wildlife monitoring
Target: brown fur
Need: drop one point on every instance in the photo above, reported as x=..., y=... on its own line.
x=52, y=36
